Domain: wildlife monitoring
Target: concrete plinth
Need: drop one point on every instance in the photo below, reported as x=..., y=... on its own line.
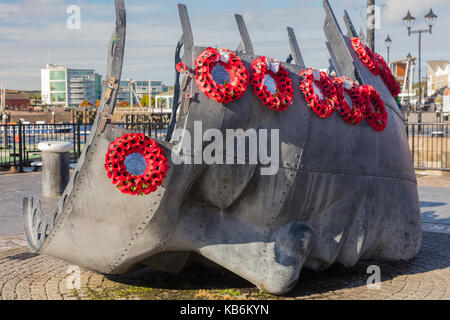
x=55, y=167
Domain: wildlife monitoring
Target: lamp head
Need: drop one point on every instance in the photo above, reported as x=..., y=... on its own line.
x=430, y=18
x=408, y=20
x=388, y=42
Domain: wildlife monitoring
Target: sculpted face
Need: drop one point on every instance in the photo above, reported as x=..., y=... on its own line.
x=316, y=191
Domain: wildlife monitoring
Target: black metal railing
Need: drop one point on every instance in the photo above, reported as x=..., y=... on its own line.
x=19, y=142
x=429, y=142
x=430, y=145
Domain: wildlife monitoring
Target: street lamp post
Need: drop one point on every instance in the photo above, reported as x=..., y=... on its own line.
x=408, y=20
x=388, y=42
x=409, y=78
x=430, y=18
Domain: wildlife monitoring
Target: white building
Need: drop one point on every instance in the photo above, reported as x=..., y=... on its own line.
x=438, y=75
x=140, y=89
x=64, y=87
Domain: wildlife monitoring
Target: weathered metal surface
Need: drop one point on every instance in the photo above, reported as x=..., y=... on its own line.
x=342, y=193
x=295, y=48
x=351, y=31
x=246, y=43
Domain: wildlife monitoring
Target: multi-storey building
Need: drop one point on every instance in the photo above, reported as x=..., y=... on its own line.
x=65, y=87
x=140, y=89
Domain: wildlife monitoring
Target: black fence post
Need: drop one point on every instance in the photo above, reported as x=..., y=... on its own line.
x=14, y=146
x=74, y=139
x=20, y=147
x=149, y=129
x=413, y=146
x=78, y=140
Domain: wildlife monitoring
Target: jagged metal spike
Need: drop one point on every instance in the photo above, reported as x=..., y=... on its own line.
x=333, y=60
x=176, y=93
x=115, y=57
x=349, y=63
x=338, y=45
x=188, y=38
x=188, y=59
x=362, y=36
x=36, y=227
x=246, y=43
x=295, y=48
x=351, y=31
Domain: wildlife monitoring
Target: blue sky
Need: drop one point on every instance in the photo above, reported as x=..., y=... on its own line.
x=31, y=29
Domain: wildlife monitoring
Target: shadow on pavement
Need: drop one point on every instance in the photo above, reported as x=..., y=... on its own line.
x=434, y=255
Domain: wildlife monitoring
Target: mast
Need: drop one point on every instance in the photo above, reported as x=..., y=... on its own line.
x=149, y=92
x=2, y=98
x=371, y=24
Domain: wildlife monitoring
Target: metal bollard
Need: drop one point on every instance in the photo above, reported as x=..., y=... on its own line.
x=55, y=167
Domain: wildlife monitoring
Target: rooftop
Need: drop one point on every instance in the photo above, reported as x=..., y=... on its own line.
x=435, y=64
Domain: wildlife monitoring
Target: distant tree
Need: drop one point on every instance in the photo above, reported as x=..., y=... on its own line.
x=36, y=96
x=144, y=101
x=424, y=88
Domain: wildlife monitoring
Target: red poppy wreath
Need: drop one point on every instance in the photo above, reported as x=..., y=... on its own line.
x=238, y=75
x=376, y=64
x=147, y=175
x=353, y=114
x=282, y=94
x=387, y=76
x=374, y=110
x=313, y=81
x=365, y=55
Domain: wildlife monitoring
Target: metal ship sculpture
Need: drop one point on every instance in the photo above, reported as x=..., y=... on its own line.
x=345, y=189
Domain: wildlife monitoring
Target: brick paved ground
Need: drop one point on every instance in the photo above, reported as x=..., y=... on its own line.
x=24, y=275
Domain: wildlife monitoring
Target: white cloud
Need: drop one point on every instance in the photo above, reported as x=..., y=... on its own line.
x=397, y=9
x=154, y=29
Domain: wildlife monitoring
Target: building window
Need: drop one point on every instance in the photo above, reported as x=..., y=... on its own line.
x=58, y=97
x=57, y=75
x=57, y=86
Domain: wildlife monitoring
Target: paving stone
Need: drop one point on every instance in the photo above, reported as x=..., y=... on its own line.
x=25, y=276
